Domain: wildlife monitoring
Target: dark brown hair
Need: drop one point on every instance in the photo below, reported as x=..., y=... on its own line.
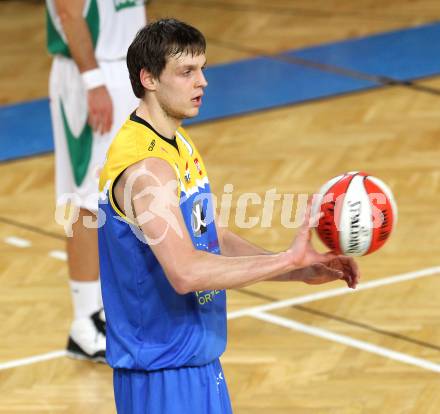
x=157, y=42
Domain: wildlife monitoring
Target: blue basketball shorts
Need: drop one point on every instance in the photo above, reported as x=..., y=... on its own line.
x=187, y=390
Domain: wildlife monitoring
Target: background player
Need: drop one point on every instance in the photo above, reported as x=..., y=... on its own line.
x=90, y=97
x=163, y=286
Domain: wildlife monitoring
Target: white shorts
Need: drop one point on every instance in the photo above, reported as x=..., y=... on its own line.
x=79, y=152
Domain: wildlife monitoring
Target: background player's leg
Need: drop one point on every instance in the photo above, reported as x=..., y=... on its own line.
x=82, y=250
x=87, y=331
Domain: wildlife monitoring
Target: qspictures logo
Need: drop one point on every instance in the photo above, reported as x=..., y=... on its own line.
x=163, y=202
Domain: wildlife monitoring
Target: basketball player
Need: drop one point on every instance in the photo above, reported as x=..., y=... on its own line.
x=164, y=264
x=90, y=98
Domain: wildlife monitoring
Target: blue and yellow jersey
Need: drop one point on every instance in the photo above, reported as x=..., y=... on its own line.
x=149, y=325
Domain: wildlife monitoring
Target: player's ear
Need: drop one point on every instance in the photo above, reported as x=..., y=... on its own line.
x=147, y=80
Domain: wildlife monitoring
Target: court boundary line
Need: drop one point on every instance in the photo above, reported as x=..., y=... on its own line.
x=300, y=300
x=33, y=359
x=347, y=341
x=344, y=320
x=260, y=310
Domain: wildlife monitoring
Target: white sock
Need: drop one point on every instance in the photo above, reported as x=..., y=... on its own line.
x=85, y=297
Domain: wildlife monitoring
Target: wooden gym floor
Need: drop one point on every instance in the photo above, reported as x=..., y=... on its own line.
x=376, y=350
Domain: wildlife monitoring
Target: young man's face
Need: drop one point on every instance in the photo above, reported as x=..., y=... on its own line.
x=180, y=86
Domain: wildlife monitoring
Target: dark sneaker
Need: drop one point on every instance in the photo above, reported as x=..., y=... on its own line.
x=99, y=320
x=87, y=338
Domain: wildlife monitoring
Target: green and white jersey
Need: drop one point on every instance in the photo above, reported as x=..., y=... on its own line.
x=113, y=25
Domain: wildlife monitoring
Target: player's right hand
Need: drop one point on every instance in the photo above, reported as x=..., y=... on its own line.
x=323, y=267
x=100, y=109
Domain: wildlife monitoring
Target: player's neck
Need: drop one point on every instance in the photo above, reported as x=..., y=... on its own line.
x=158, y=119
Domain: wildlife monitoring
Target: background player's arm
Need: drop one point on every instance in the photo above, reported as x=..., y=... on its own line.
x=234, y=245
x=157, y=212
x=81, y=48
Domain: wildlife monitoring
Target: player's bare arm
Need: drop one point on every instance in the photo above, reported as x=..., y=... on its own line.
x=234, y=245
x=189, y=269
x=81, y=48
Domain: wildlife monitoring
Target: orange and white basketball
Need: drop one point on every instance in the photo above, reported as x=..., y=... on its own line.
x=358, y=213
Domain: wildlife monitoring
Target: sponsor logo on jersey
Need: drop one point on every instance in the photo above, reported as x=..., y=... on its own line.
x=219, y=379
x=125, y=4
x=205, y=296
x=197, y=164
x=151, y=146
x=187, y=173
x=198, y=218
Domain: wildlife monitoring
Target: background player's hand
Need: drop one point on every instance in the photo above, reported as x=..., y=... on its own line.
x=100, y=109
x=313, y=267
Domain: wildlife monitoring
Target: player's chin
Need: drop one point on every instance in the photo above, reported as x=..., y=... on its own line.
x=191, y=113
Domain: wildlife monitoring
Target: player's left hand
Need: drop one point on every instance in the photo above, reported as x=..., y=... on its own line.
x=339, y=268
x=347, y=266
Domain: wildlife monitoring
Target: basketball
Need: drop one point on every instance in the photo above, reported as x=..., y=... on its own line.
x=358, y=213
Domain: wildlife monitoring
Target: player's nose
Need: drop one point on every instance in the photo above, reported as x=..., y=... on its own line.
x=201, y=81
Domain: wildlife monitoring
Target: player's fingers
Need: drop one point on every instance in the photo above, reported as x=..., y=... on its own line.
x=110, y=117
x=330, y=255
x=328, y=274
x=335, y=274
x=304, y=232
x=315, y=217
x=105, y=126
x=346, y=265
x=92, y=121
x=348, y=281
x=355, y=272
x=315, y=212
x=105, y=119
x=346, y=275
x=309, y=219
x=98, y=123
x=102, y=120
x=351, y=271
x=307, y=213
